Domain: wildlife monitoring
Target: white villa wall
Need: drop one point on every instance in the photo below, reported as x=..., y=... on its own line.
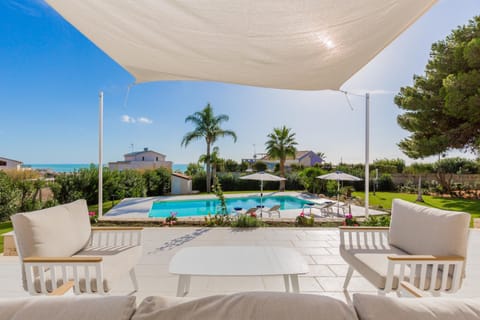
x=124, y=165
x=145, y=156
x=9, y=164
x=147, y=159
x=181, y=186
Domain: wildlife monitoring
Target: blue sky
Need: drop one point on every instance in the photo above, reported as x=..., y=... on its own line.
x=51, y=76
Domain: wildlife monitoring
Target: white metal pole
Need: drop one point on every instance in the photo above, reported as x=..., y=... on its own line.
x=100, y=155
x=367, y=150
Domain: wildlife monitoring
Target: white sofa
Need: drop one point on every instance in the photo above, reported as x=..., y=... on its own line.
x=420, y=244
x=58, y=244
x=240, y=306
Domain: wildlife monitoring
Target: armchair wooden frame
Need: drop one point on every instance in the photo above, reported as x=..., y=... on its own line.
x=62, y=270
x=405, y=266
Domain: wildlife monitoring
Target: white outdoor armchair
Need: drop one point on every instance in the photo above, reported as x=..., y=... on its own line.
x=423, y=246
x=58, y=245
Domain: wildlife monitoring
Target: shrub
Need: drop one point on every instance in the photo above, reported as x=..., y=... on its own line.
x=260, y=166
x=350, y=221
x=247, y=221
x=220, y=220
x=385, y=183
x=171, y=219
x=157, y=181
x=9, y=197
x=309, y=180
x=377, y=221
x=302, y=221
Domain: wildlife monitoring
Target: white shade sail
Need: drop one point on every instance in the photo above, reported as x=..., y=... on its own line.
x=288, y=44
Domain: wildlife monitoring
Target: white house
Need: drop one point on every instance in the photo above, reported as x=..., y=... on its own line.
x=9, y=164
x=181, y=184
x=146, y=159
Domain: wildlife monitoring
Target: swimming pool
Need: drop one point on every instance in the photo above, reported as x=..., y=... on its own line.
x=188, y=208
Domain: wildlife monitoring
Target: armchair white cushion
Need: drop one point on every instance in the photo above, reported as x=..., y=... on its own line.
x=57, y=244
x=420, y=244
x=423, y=230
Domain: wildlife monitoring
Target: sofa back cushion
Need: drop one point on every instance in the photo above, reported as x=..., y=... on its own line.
x=59, y=231
x=373, y=307
x=247, y=305
x=422, y=230
x=71, y=308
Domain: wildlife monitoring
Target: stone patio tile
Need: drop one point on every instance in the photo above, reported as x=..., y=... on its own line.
x=314, y=251
x=334, y=251
x=235, y=284
x=311, y=244
x=328, y=260
x=340, y=270
x=320, y=271
x=309, y=284
x=309, y=260
x=274, y=243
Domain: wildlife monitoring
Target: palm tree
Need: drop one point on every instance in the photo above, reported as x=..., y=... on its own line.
x=322, y=156
x=280, y=145
x=215, y=161
x=207, y=126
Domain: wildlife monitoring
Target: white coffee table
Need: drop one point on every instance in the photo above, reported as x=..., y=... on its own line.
x=237, y=261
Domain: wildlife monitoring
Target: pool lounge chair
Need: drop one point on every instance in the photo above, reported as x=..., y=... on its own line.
x=251, y=210
x=325, y=208
x=274, y=209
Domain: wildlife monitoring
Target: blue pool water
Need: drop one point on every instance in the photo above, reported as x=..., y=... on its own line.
x=187, y=208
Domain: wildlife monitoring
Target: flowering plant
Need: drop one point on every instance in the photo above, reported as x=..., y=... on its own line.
x=302, y=220
x=350, y=221
x=171, y=219
x=253, y=215
x=93, y=217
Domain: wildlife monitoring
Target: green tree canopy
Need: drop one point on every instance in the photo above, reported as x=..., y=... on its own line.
x=208, y=127
x=281, y=144
x=389, y=165
x=442, y=108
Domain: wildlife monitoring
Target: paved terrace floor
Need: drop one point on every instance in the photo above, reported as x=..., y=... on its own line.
x=319, y=247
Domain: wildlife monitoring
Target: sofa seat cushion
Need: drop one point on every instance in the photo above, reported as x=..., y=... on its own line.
x=117, y=261
x=373, y=265
x=71, y=308
x=373, y=307
x=247, y=305
x=53, y=232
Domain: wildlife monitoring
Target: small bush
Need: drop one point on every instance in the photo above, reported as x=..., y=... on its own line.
x=218, y=220
x=350, y=221
x=377, y=221
x=302, y=221
x=247, y=221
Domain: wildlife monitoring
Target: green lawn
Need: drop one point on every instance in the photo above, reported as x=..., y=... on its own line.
x=384, y=200
x=106, y=206
x=4, y=228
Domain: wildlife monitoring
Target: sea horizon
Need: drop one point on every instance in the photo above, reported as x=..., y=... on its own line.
x=71, y=167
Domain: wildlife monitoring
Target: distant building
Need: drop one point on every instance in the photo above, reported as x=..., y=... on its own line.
x=146, y=159
x=302, y=158
x=181, y=184
x=9, y=164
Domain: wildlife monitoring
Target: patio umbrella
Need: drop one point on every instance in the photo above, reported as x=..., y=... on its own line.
x=339, y=176
x=262, y=176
